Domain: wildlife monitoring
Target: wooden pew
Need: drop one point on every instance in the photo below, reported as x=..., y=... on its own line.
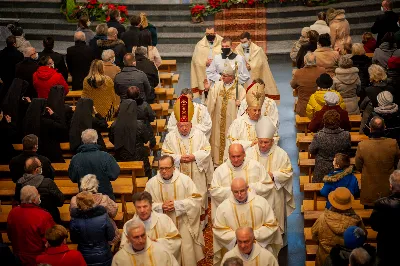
x=319, y=205
x=302, y=123
x=164, y=94
x=303, y=140
x=311, y=216
x=167, y=66
x=73, y=96
x=306, y=180
x=168, y=79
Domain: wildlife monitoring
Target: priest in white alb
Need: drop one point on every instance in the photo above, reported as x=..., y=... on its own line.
x=268, y=108
x=190, y=149
x=277, y=163
x=244, y=209
x=159, y=227
x=249, y=251
x=203, y=54
x=141, y=250
x=257, y=64
x=176, y=195
x=238, y=166
x=222, y=103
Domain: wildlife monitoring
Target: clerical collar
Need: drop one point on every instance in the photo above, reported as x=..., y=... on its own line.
x=265, y=153
x=167, y=181
x=138, y=251
x=247, y=256
x=231, y=56
x=147, y=223
x=229, y=84
x=242, y=202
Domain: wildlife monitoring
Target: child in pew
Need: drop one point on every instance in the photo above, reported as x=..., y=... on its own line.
x=341, y=176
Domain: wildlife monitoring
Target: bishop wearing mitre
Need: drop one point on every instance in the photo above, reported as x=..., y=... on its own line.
x=176, y=195
x=244, y=209
x=190, y=148
x=257, y=64
x=203, y=54
x=277, y=164
x=222, y=103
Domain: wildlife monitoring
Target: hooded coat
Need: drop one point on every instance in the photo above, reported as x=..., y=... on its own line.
x=340, y=28
x=347, y=82
x=117, y=46
x=59, y=62
x=362, y=62
x=383, y=53
x=45, y=78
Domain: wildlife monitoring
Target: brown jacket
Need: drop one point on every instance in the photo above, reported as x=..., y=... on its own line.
x=329, y=228
x=111, y=70
x=340, y=29
x=304, y=81
x=327, y=58
x=376, y=159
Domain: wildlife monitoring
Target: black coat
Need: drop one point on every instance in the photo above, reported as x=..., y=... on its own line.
x=131, y=38
x=79, y=58
x=339, y=255
x=7, y=131
x=372, y=92
x=117, y=46
x=131, y=76
x=59, y=62
x=393, y=75
x=24, y=70
x=303, y=51
x=9, y=58
x=148, y=67
x=92, y=230
x=17, y=165
x=385, y=219
x=95, y=48
x=362, y=62
x=115, y=24
x=384, y=23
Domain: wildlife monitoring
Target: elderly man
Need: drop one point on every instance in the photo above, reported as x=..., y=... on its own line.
x=159, y=227
x=375, y=166
x=110, y=69
x=238, y=166
x=90, y=160
x=227, y=56
x=25, y=69
x=222, y=103
x=386, y=22
x=59, y=62
x=27, y=223
x=277, y=164
x=141, y=250
x=79, y=58
x=131, y=76
x=147, y=66
x=208, y=47
x=234, y=261
x=248, y=250
x=385, y=219
x=257, y=63
x=114, y=44
x=176, y=195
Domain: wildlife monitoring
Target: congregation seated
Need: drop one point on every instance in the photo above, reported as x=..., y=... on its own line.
x=297, y=44
x=132, y=35
x=330, y=226
x=59, y=63
x=114, y=22
x=326, y=143
x=110, y=69
x=310, y=46
x=341, y=176
x=83, y=26
x=144, y=64
x=386, y=49
x=92, y=230
x=57, y=251
x=89, y=183
x=101, y=34
x=362, y=63
x=27, y=223
x=114, y=43
x=326, y=56
x=26, y=68
x=369, y=42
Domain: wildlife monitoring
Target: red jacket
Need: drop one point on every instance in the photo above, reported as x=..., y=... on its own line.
x=316, y=123
x=45, y=78
x=61, y=256
x=370, y=46
x=26, y=226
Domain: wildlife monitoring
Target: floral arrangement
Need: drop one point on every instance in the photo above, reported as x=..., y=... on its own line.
x=96, y=11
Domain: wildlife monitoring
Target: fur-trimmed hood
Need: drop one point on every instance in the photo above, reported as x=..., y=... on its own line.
x=338, y=14
x=109, y=44
x=90, y=213
x=337, y=175
x=347, y=76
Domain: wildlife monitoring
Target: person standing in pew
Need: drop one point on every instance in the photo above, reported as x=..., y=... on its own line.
x=29, y=149
x=91, y=160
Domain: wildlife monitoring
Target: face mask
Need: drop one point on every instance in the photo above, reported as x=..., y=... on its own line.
x=88, y=23
x=41, y=171
x=52, y=65
x=210, y=38
x=382, y=9
x=225, y=51
x=36, y=56
x=40, y=201
x=245, y=45
x=113, y=60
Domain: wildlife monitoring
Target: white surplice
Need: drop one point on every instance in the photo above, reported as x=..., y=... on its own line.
x=268, y=108
x=278, y=163
x=258, y=257
x=161, y=228
x=255, y=213
x=188, y=205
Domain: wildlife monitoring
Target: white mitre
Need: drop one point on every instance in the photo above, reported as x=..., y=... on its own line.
x=265, y=128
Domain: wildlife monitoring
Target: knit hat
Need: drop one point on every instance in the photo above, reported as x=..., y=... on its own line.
x=324, y=81
x=331, y=98
x=384, y=98
x=354, y=237
x=341, y=198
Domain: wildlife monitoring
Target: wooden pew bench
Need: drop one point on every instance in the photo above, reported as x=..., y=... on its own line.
x=311, y=216
x=307, y=164
x=319, y=205
x=164, y=94
x=303, y=140
x=167, y=66
x=168, y=79
x=311, y=188
x=302, y=123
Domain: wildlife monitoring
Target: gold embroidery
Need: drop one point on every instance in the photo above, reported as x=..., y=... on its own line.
x=150, y=253
x=198, y=115
x=185, y=168
x=243, y=219
x=133, y=260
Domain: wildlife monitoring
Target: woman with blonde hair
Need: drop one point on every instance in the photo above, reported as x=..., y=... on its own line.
x=100, y=88
x=362, y=62
x=145, y=25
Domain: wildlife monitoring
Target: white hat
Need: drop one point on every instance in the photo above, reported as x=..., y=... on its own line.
x=265, y=128
x=228, y=70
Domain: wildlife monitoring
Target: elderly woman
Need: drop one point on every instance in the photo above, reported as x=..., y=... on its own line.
x=18, y=32
x=304, y=82
x=297, y=44
x=326, y=56
x=326, y=143
x=110, y=69
x=330, y=226
x=362, y=62
x=83, y=26
x=347, y=82
x=386, y=49
x=92, y=230
x=310, y=46
x=89, y=183
x=340, y=28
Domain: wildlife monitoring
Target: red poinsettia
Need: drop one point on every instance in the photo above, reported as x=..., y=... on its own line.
x=122, y=20
x=89, y=6
x=123, y=9
x=250, y=2
x=214, y=3
x=225, y=1
x=108, y=18
x=93, y=2
x=197, y=10
x=111, y=6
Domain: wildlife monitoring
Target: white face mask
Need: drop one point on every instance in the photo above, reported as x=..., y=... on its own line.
x=52, y=65
x=41, y=171
x=382, y=9
x=40, y=201
x=88, y=23
x=36, y=56
x=245, y=45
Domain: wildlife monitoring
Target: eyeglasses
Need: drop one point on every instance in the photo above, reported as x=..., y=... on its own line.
x=165, y=168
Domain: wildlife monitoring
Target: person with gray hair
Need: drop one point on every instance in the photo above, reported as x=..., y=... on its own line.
x=235, y=261
x=385, y=219
x=297, y=44
x=110, y=69
x=144, y=64
x=114, y=44
x=24, y=70
x=101, y=34
x=27, y=223
x=360, y=257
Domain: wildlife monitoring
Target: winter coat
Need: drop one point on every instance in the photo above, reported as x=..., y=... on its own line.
x=131, y=76
x=61, y=256
x=317, y=101
x=308, y=47
x=153, y=30
x=393, y=71
x=317, y=124
x=111, y=70
x=362, y=62
x=383, y=53
x=95, y=48
x=92, y=230
x=339, y=29
x=347, y=82
x=45, y=78
x=89, y=34
x=59, y=62
x=131, y=38
x=296, y=47
x=9, y=58
x=148, y=67
x=50, y=195
x=17, y=165
x=21, y=43
x=329, y=228
x=340, y=178
x=28, y=223
x=325, y=144
x=90, y=160
x=304, y=82
x=321, y=27
x=376, y=167
x=116, y=24
x=370, y=46
x=117, y=46
x=385, y=219
x=384, y=23
x=374, y=89
x=25, y=70
x=79, y=58
x=340, y=255
x=327, y=58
